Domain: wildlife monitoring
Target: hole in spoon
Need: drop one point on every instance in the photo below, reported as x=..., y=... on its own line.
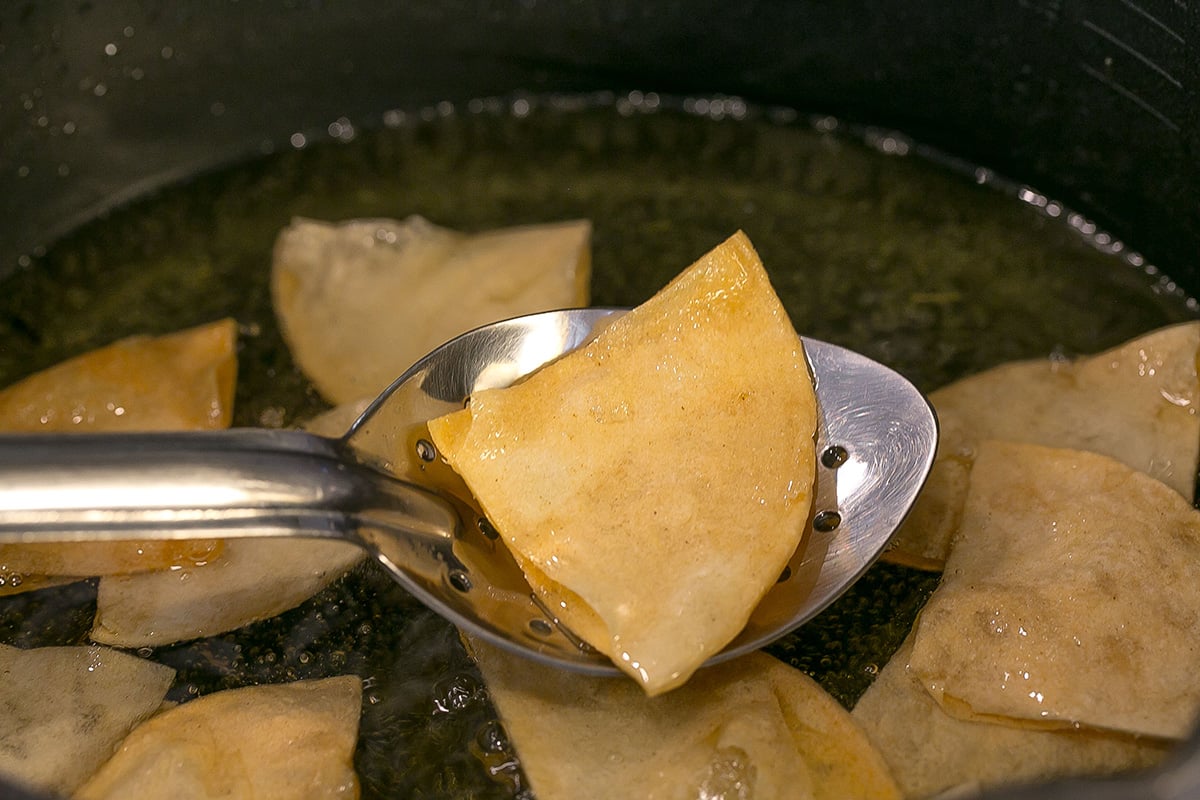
x=487, y=530
x=541, y=627
x=425, y=450
x=834, y=456
x=826, y=521
x=787, y=573
x=459, y=580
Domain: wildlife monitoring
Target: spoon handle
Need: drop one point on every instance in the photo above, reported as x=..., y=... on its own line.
x=235, y=483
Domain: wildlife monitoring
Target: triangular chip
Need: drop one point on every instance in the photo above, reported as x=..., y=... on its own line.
x=360, y=301
x=653, y=483
x=66, y=708
x=254, y=579
x=1139, y=403
x=292, y=740
x=181, y=381
x=20, y=562
x=930, y=751
x=1071, y=596
x=751, y=727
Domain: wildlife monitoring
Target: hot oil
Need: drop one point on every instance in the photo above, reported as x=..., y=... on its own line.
x=936, y=269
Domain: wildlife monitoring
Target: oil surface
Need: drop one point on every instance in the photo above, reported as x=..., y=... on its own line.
x=906, y=260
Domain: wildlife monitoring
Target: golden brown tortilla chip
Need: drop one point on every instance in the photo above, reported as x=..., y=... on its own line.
x=929, y=751
x=751, y=727
x=254, y=579
x=1138, y=403
x=1071, y=596
x=80, y=559
x=360, y=301
x=181, y=381
x=284, y=741
x=66, y=708
x=653, y=483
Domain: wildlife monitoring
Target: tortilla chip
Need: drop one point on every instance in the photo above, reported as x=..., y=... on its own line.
x=291, y=740
x=66, y=708
x=87, y=559
x=1071, y=596
x=751, y=727
x=654, y=483
x=360, y=301
x=254, y=579
x=929, y=751
x=181, y=381
x=1136, y=403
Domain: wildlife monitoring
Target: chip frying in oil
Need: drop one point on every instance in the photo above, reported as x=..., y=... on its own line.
x=1071, y=597
x=1139, y=403
x=360, y=301
x=752, y=727
x=292, y=740
x=66, y=708
x=930, y=751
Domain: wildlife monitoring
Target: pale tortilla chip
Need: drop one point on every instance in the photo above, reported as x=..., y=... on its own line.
x=181, y=381
x=254, y=579
x=1137, y=403
x=1071, y=596
x=86, y=559
x=360, y=301
x=282, y=741
x=653, y=484
x=66, y=708
x=751, y=727
x=929, y=751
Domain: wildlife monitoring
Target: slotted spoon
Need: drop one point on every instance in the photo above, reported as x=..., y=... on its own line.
x=383, y=487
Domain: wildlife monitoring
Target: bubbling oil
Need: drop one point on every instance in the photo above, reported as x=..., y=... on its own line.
x=934, y=267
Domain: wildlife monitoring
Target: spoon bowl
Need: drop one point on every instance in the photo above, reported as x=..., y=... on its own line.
x=383, y=487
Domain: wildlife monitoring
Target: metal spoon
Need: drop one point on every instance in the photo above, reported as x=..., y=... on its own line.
x=876, y=442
